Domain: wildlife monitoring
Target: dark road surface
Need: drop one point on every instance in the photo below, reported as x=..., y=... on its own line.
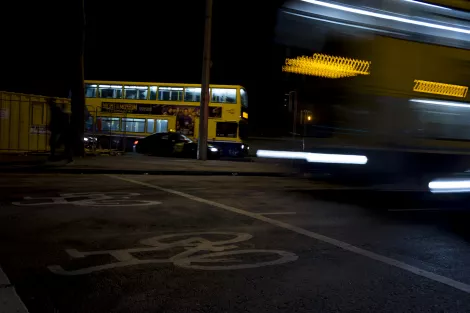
x=97, y=243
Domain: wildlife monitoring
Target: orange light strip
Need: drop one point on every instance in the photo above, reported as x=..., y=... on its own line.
x=326, y=66
x=440, y=88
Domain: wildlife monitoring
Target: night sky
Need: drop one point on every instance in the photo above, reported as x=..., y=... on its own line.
x=150, y=41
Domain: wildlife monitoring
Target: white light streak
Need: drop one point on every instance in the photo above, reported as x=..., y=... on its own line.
x=449, y=186
x=336, y=158
x=347, y=25
x=314, y=157
x=387, y=17
x=428, y=4
x=446, y=103
x=281, y=154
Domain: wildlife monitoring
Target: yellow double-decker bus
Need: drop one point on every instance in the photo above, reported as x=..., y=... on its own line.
x=121, y=112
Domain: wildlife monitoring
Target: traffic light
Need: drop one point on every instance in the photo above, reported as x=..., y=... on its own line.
x=306, y=116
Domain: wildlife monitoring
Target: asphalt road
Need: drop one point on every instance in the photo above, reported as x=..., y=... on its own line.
x=97, y=243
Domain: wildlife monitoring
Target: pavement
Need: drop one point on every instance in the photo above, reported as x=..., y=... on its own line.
x=144, y=243
x=132, y=163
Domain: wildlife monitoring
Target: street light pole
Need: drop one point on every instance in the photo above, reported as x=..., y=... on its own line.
x=206, y=64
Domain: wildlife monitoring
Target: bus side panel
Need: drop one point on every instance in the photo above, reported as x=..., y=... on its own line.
x=211, y=130
x=231, y=112
x=196, y=128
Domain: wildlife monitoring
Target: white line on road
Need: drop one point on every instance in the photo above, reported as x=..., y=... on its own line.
x=10, y=302
x=276, y=213
x=340, y=244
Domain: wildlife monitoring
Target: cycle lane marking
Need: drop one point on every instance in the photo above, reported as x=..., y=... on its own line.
x=216, y=256
x=91, y=199
x=338, y=243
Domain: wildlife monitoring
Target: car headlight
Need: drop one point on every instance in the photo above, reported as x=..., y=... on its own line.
x=85, y=139
x=214, y=149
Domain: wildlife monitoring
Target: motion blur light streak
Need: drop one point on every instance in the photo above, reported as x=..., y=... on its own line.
x=386, y=16
x=428, y=4
x=347, y=24
x=440, y=88
x=441, y=186
x=326, y=66
x=314, y=157
x=281, y=154
x=446, y=103
x=336, y=158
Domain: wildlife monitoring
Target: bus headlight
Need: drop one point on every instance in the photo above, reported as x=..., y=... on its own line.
x=214, y=149
x=243, y=146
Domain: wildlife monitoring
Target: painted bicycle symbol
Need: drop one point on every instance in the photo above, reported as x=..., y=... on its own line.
x=199, y=253
x=88, y=199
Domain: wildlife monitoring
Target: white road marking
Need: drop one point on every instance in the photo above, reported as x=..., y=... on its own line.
x=198, y=253
x=3, y=278
x=10, y=302
x=340, y=244
x=276, y=213
x=89, y=199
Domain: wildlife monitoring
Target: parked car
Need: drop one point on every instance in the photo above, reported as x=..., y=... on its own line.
x=172, y=144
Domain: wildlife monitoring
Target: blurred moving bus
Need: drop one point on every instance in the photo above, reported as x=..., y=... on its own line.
x=118, y=113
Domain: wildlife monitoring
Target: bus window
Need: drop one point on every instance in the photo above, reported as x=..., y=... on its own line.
x=170, y=93
x=108, y=123
x=162, y=126
x=192, y=94
x=136, y=92
x=224, y=95
x=226, y=129
x=244, y=97
x=90, y=91
x=133, y=125
x=110, y=91
x=153, y=93
x=150, y=125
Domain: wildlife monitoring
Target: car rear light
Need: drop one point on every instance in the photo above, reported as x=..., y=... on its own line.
x=136, y=142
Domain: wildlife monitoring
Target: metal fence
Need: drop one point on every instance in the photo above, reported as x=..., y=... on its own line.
x=24, y=122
